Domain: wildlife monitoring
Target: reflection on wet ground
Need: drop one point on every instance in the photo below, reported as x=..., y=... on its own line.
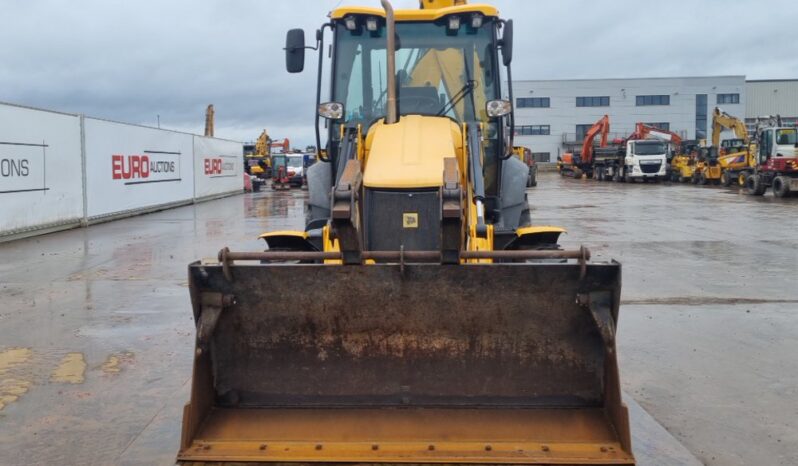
x=96, y=330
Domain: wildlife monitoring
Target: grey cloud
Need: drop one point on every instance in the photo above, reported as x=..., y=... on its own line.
x=131, y=61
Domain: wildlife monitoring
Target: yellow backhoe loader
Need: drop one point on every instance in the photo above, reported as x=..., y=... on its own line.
x=435, y=323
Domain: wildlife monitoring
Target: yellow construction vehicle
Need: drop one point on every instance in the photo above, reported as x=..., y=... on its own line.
x=730, y=161
x=684, y=162
x=259, y=162
x=420, y=317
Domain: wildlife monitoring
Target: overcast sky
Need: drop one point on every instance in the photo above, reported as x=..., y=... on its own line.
x=133, y=60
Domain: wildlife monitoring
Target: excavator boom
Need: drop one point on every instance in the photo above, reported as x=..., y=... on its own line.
x=601, y=127
x=643, y=131
x=210, y=116
x=723, y=121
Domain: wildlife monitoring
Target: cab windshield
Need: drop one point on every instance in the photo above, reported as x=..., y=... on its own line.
x=440, y=71
x=786, y=137
x=649, y=148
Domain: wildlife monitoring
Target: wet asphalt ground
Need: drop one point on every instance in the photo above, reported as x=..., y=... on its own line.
x=96, y=332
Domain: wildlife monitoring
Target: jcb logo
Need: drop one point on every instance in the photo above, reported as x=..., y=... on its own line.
x=410, y=220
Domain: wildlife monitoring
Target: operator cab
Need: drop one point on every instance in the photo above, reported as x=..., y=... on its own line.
x=778, y=142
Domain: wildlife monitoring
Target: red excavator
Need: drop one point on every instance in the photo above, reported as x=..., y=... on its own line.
x=643, y=131
x=577, y=165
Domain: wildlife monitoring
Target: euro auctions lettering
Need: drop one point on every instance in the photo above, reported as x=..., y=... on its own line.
x=150, y=168
x=216, y=167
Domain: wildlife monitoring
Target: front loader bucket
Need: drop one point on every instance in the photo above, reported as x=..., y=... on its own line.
x=484, y=363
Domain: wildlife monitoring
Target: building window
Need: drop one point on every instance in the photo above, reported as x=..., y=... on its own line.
x=728, y=99
x=533, y=130
x=593, y=101
x=533, y=102
x=646, y=100
x=662, y=126
x=542, y=157
x=701, y=116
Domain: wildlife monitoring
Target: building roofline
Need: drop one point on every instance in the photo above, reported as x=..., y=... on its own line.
x=630, y=79
x=772, y=80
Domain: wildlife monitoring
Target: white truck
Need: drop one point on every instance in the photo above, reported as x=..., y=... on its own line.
x=636, y=159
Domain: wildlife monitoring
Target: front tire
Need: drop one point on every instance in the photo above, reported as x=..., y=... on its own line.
x=726, y=178
x=742, y=179
x=781, y=187
x=755, y=186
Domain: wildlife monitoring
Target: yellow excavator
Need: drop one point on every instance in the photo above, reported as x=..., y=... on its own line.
x=730, y=161
x=259, y=162
x=420, y=317
x=738, y=157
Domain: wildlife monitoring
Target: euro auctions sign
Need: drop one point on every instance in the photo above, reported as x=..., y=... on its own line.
x=221, y=166
x=150, y=167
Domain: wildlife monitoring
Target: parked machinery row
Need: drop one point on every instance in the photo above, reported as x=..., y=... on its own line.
x=637, y=157
x=768, y=160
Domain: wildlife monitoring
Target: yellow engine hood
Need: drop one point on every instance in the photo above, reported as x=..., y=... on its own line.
x=410, y=153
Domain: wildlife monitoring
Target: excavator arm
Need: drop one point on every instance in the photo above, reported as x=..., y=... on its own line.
x=643, y=131
x=262, y=144
x=210, y=115
x=723, y=121
x=602, y=127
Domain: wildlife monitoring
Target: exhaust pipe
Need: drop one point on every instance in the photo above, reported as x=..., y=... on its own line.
x=392, y=115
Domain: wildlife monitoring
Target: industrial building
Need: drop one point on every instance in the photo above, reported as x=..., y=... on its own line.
x=553, y=115
x=772, y=97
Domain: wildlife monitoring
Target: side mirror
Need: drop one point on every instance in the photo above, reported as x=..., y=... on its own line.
x=499, y=108
x=507, y=43
x=332, y=111
x=295, y=51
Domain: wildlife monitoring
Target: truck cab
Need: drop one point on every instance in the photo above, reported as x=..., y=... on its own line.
x=778, y=163
x=646, y=160
x=778, y=143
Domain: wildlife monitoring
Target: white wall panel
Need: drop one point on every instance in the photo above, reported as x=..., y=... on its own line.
x=218, y=167
x=40, y=169
x=131, y=168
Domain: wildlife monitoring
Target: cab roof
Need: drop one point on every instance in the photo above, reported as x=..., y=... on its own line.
x=416, y=14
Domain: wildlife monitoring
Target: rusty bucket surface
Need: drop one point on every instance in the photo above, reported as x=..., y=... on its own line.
x=489, y=363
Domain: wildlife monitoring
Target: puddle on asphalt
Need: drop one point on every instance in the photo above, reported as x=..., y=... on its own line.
x=72, y=369
x=11, y=388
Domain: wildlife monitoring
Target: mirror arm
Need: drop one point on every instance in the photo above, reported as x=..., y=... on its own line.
x=320, y=48
x=511, y=116
x=509, y=150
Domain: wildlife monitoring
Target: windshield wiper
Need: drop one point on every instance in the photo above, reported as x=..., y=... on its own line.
x=461, y=94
